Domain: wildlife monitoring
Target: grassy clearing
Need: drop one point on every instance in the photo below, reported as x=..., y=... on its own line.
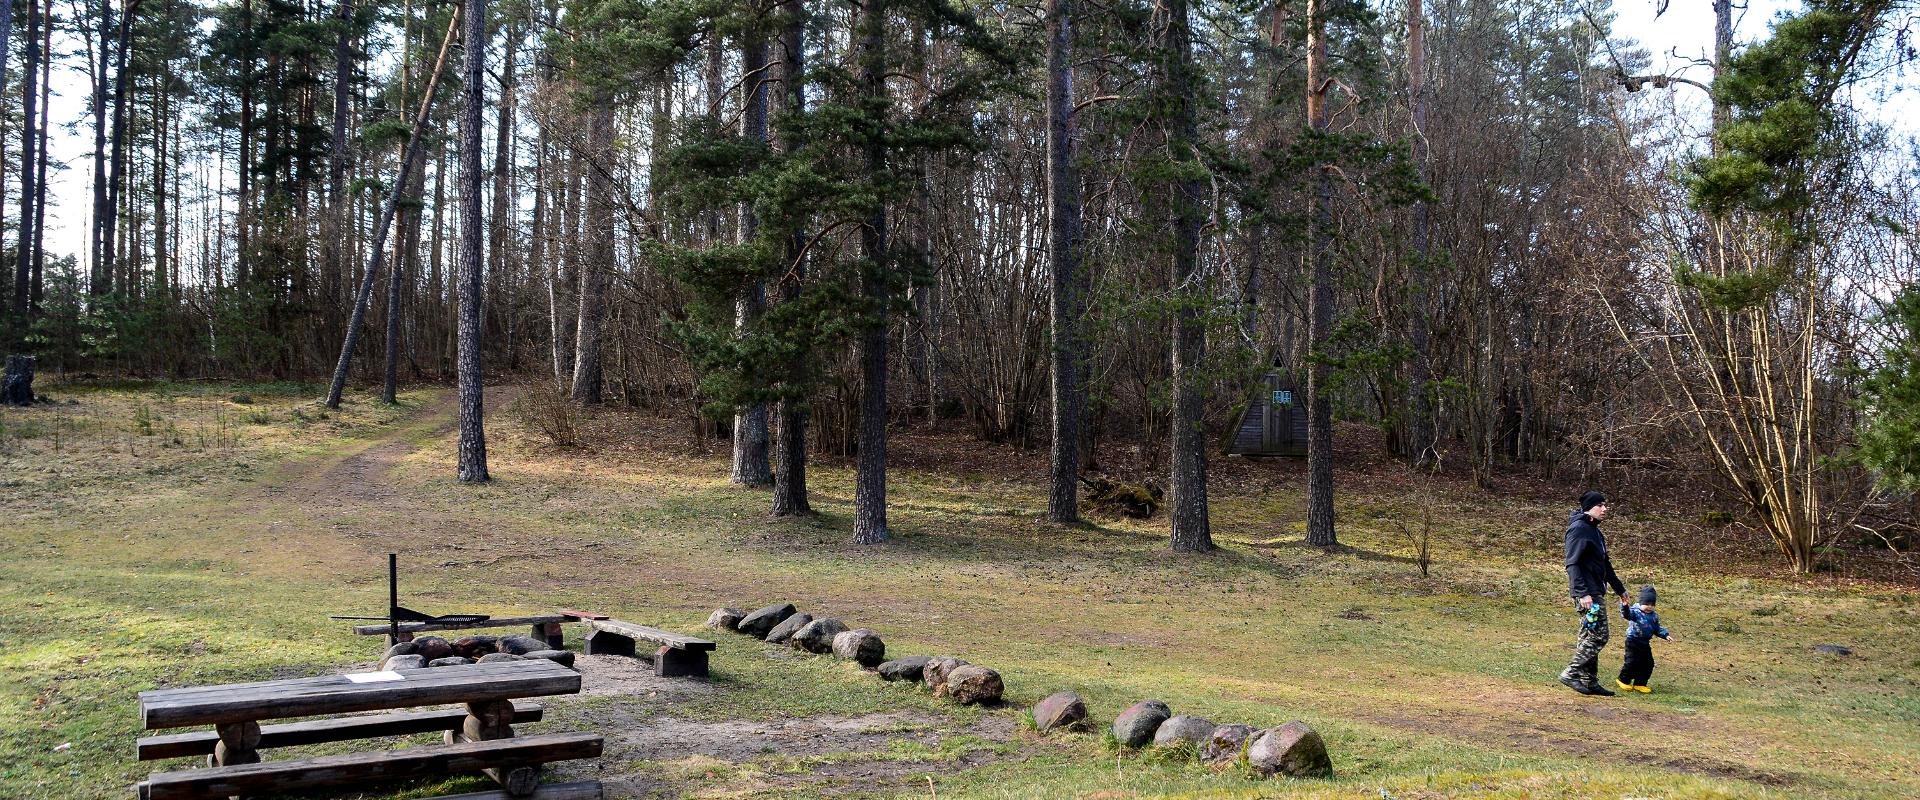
x=223, y=566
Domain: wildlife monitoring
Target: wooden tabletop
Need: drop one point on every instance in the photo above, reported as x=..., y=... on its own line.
x=338, y=694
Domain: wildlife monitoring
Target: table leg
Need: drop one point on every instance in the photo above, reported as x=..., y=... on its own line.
x=487, y=721
x=239, y=744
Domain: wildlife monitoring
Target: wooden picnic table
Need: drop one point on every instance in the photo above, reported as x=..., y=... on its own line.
x=480, y=740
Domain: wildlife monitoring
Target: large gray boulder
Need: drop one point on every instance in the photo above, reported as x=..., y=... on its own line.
x=450, y=661
x=1226, y=742
x=1292, y=749
x=817, y=636
x=1061, y=711
x=973, y=686
x=401, y=649
x=911, y=668
x=725, y=619
x=402, y=661
x=935, y=673
x=520, y=644
x=861, y=646
x=759, y=622
x=788, y=627
x=1183, y=729
x=562, y=657
x=1136, y=725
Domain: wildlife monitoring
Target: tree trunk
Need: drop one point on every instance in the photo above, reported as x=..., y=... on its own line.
x=750, y=466
x=333, y=257
x=1063, y=234
x=1422, y=451
x=1320, y=300
x=870, y=481
x=597, y=264
x=101, y=280
x=473, y=437
x=410, y=156
x=116, y=141
x=23, y=250
x=40, y=173
x=790, y=483
x=1188, y=502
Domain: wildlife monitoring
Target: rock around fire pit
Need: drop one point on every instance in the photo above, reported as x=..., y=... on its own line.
x=434, y=651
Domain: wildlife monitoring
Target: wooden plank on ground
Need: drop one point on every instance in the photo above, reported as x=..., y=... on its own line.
x=276, y=777
x=583, y=790
x=383, y=628
x=337, y=694
x=337, y=729
x=677, y=641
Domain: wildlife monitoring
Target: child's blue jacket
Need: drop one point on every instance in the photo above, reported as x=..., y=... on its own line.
x=1642, y=623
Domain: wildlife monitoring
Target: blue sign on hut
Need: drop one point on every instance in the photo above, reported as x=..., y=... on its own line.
x=1274, y=422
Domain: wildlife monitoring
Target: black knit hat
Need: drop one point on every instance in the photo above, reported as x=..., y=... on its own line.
x=1647, y=596
x=1591, y=499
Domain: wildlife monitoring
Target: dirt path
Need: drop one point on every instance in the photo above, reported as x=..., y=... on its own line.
x=358, y=477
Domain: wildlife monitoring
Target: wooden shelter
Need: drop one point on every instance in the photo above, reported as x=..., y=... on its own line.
x=1274, y=422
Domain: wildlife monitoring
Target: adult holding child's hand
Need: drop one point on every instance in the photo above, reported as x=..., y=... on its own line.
x=1589, y=574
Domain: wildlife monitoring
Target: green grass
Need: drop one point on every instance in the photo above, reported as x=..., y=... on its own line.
x=120, y=579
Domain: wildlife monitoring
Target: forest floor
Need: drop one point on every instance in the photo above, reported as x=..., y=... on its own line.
x=168, y=534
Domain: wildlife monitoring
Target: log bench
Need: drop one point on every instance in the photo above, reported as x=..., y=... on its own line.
x=479, y=737
x=678, y=655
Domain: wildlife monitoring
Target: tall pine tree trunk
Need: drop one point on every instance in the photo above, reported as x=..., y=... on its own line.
x=116, y=141
x=1192, y=531
x=597, y=263
x=1421, y=429
x=23, y=250
x=750, y=466
x=790, y=482
x=409, y=157
x=1063, y=242
x=333, y=255
x=40, y=173
x=870, y=481
x=473, y=436
x=1320, y=298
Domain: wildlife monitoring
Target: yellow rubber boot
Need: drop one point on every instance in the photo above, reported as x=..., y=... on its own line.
x=1626, y=687
x=1643, y=689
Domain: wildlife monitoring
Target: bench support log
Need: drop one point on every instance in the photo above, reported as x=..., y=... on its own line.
x=488, y=721
x=555, y=636
x=608, y=643
x=671, y=663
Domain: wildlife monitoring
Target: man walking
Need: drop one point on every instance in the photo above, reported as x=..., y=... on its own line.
x=1589, y=573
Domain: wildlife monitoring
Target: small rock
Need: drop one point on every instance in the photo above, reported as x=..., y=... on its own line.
x=402, y=662
x=759, y=622
x=1183, y=729
x=432, y=648
x=1061, y=711
x=861, y=646
x=935, y=673
x=725, y=619
x=1833, y=649
x=911, y=668
x=562, y=657
x=521, y=645
x=1226, y=742
x=973, y=685
x=1291, y=749
x=788, y=627
x=1136, y=725
x=817, y=636
x=402, y=649
x=476, y=646
x=449, y=661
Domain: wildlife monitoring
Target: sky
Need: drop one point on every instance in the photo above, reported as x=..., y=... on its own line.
x=1675, y=38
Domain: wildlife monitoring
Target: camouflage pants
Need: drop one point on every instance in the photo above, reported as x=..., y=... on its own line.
x=1585, y=666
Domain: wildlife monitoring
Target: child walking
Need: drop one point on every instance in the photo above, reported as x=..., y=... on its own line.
x=1643, y=623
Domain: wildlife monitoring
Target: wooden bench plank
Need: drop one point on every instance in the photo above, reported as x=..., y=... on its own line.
x=583, y=790
x=357, y=768
x=335, y=694
x=677, y=641
x=382, y=629
x=337, y=729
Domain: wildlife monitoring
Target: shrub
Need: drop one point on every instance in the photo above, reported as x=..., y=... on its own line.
x=550, y=411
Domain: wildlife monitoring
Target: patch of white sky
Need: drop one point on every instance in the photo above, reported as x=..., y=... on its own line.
x=1679, y=41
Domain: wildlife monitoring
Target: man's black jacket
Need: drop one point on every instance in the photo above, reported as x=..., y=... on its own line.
x=1589, y=570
